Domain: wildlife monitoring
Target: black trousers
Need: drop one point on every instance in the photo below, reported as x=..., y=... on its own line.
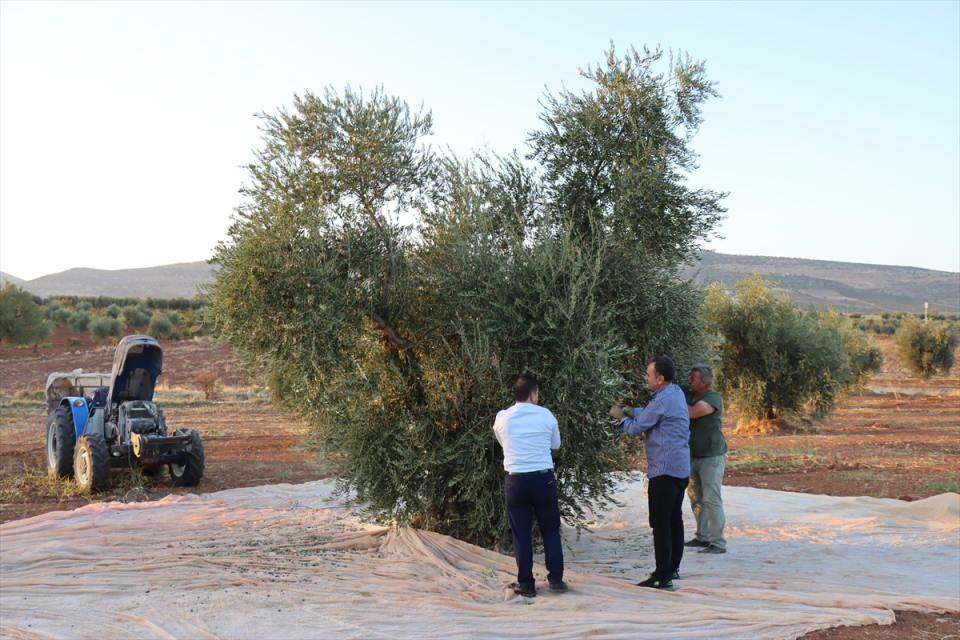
x=665, y=496
x=530, y=495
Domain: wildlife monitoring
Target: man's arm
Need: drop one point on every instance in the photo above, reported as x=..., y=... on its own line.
x=644, y=418
x=555, y=436
x=700, y=409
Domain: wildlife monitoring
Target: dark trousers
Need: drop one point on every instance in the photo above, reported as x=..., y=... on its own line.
x=529, y=496
x=665, y=496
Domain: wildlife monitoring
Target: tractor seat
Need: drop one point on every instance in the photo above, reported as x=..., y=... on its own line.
x=100, y=397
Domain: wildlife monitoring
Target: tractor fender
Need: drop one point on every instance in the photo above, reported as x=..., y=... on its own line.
x=80, y=411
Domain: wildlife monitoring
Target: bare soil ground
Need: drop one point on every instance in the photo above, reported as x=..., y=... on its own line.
x=899, y=439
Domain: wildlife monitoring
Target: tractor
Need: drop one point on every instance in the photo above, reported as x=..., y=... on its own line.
x=97, y=421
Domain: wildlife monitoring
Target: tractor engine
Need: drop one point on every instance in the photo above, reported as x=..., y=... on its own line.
x=140, y=417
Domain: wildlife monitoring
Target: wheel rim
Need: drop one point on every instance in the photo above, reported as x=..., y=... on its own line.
x=83, y=465
x=52, y=445
x=177, y=469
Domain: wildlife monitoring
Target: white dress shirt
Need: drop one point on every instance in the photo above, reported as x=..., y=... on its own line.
x=527, y=432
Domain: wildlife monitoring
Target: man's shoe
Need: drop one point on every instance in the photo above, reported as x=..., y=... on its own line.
x=656, y=583
x=525, y=591
x=559, y=587
x=696, y=542
x=712, y=549
x=673, y=576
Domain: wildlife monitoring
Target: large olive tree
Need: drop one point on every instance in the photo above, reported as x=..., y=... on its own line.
x=391, y=293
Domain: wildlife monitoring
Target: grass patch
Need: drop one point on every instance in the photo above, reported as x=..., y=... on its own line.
x=31, y=480
x=763, y=459
x=945, y=485
x=860, y=475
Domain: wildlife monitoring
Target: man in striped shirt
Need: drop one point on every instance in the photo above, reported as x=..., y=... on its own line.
x=665, y=426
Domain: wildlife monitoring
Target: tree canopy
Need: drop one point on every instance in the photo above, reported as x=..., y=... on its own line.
x=392, y=292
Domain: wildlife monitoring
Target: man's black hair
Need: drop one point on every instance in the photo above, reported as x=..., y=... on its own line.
x=524, y=386
x=664, y=367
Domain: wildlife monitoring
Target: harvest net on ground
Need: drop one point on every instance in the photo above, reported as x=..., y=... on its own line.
x=292, y=561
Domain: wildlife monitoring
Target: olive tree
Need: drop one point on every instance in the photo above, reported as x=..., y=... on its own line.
x=391, y=293
x=21, y=318
x=925, y=348
x=777, y=359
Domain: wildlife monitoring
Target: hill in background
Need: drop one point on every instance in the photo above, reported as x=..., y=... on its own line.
x=167, y=281
x=845, y=286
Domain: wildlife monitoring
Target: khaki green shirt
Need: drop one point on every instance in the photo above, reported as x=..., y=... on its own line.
x=706, y=437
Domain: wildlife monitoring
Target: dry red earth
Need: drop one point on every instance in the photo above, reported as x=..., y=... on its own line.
x=901, y=442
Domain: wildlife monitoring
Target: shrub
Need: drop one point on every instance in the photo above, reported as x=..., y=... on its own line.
x=136, y=316
x=79, y=321
x=209, y=383
x=160, y=327
x=105, y=327
x=925, y=348
x=776, y=358
x=21, y=318
x=60, y=316
x=113, y=311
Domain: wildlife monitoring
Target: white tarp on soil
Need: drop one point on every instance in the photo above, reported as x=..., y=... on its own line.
x=291, y=562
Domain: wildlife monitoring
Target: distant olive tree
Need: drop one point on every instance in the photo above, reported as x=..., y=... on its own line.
x=392, y=293
x=105, y=327
x=925, y=348
x=79, y=321
x=137, y=316
x=776, y=359
x=21, y=318
x=160, y=327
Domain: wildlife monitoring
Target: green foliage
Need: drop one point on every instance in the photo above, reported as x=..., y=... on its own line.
x=173, y=318
x=393, y=294
x=615, y=156
x=79, y=321
x=113, y=311
x=775, y=358
x=105, y=327
x=136, y=316
x=60, y=316
x=21, y=318
x=926, y=348
x=104, y=302
x=84, y=305
x=160, y=327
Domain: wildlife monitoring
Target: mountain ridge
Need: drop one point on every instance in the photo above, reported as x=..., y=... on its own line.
x=845, y=286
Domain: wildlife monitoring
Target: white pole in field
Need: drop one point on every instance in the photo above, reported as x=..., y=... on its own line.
x=926, y=305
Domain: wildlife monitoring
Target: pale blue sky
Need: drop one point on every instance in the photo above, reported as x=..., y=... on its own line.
x=837, y=133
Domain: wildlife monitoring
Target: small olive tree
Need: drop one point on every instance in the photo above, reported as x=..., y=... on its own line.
x=925, y=348
x=391, y=293
x=21, y=318
x=104, y=327
x=776, y=359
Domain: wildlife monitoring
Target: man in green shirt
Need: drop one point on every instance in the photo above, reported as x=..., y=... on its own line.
x=708, y=458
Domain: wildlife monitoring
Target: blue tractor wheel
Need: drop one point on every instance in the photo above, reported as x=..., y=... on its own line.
x=61, y=440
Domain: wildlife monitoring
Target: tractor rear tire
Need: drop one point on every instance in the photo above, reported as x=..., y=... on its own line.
x=91, y=463
x=61, y=440
x=189, y=473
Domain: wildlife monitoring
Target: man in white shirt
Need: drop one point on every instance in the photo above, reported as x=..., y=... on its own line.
x=527, y=432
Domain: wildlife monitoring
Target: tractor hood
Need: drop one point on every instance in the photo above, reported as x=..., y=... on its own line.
x=137, y=364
